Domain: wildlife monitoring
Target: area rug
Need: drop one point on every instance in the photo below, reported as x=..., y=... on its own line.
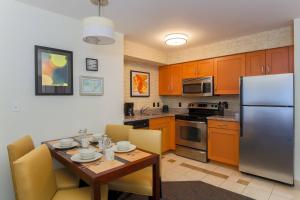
x=187, y=190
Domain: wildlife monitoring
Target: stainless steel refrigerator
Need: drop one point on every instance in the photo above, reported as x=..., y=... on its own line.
x=267, y=127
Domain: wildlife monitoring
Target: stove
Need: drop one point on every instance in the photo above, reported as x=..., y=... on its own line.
x=191, y=130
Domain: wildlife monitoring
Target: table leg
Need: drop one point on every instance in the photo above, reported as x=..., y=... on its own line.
x=156, y=180
x=96, y=192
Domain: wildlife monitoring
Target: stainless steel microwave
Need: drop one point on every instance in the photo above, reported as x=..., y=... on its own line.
x=203, y=86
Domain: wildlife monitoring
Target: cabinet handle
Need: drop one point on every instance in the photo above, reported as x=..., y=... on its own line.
x=268, y=70
x=262, y=69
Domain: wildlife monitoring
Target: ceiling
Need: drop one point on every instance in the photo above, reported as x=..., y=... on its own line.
x=205, y=21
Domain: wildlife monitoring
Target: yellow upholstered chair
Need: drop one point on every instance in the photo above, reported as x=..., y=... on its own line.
x=21, y=147
x=140, y=182
x=35, y=179
x=118, y=132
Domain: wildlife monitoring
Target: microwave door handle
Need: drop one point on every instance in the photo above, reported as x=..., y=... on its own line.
x=202, y=87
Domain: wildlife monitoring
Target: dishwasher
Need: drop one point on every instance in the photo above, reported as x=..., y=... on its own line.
x=139, y=124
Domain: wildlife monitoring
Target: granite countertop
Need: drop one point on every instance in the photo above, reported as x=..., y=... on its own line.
x=225, y=118
x=152, y=115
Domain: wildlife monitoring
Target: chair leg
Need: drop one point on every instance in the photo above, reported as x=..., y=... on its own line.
x=160, y=185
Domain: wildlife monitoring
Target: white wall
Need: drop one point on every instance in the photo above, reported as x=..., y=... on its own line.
x=263, y=40
x=21, y=27
x=297, y=97
x=142, y=52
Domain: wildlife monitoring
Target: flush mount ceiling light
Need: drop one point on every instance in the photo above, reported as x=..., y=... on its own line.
x=98, y=30
x=176, y=39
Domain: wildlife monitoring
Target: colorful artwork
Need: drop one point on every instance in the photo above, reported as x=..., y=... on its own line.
x=91, y=86
x=53, y=71
x=139, y=84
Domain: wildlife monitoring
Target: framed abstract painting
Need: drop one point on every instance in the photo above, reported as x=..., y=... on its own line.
x=53, y=71
x=139, y=84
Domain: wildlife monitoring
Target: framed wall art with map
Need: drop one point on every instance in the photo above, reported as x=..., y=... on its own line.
x=91, y=86
x=139, y=84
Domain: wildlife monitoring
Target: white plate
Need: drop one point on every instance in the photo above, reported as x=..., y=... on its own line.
x=57, y=146
x=77, y=158
x=131, y=148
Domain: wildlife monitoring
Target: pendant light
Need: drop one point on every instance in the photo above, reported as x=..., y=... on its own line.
x=98, y=30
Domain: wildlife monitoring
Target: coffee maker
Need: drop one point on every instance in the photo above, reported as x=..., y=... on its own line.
x=128, y=109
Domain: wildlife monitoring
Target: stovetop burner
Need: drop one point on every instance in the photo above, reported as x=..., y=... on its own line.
x=200, y=111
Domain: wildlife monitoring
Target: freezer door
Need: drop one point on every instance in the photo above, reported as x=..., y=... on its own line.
x=274, y=90
x=267, y=142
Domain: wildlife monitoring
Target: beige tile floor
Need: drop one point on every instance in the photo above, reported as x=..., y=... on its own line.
x=177, y=168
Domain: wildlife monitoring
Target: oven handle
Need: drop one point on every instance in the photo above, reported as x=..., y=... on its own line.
x=187, y=121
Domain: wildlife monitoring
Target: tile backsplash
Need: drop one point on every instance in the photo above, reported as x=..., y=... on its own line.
x=140, y=102
x=173, y=102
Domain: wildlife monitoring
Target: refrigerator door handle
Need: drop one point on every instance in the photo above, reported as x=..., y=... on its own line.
x=241, y=107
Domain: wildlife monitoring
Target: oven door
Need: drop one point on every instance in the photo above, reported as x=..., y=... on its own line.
x=191, y=134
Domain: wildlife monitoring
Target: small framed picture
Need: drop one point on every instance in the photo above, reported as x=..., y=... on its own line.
x=91, y=86
x=91, y=64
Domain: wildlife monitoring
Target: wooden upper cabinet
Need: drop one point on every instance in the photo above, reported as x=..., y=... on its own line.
x=189, y=69
x=227, y=73
x=205, y=68
x=176, y=79
x=164, y=80
x=277, y=60
x=170, y=80
x=256, y=63
x=291, y=59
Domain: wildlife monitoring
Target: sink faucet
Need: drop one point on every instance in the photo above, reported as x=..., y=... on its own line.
x=143, y=110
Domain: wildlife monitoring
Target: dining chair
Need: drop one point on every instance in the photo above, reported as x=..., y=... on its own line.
x=118, y=132
x=140, y=182
x=24, y=145
x=35, y=179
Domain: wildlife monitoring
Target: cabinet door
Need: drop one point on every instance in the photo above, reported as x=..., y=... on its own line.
x=176, y=79
x=291, y=59
x=164, y=80
x=205, y=68
x=162, y=124
x=223, y=145
x=277, y=61
x=227, y=73
x=256, y=63
x=172, y=144
x=189, y=69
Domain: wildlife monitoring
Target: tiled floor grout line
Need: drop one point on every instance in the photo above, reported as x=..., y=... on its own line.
x=271, y=192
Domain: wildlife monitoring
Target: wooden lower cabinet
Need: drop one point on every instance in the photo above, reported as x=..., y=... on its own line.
x=167, y=126
x=223, y=141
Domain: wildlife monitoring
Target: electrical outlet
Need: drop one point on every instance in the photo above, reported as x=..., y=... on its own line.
x=157, y=104
x=179, y=104
x=153, y=104
x=16, y=108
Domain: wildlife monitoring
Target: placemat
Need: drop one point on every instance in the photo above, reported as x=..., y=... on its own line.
x=133, y=156
x=102, y=165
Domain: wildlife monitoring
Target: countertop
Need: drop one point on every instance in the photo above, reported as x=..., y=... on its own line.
x=157, y=114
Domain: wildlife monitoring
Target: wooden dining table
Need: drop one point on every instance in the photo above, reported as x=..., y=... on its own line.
x=104, y=171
